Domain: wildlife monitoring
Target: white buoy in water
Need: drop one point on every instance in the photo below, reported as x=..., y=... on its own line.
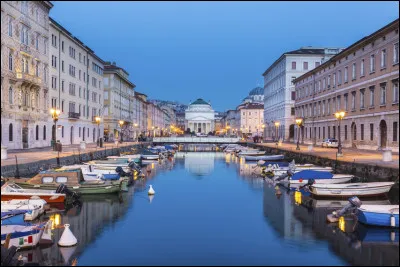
x=151, y=190
x=67, y=238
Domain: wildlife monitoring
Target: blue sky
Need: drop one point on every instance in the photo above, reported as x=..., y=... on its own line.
x=215, y=50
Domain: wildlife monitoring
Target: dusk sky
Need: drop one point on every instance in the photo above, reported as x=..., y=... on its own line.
x=181, y=51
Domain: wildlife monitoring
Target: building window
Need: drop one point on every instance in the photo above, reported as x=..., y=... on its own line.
x=62, y=106
x=324, y=83
x=334, y=79
x=362, y=68
x=346, y=73
x=10, y=61
x=37, y=69
x=37, y=132
x=355, y=132
x=346, y=100
x=372, y=96
x=329, y=81
x=338, y=103
x=353, y=100
x=293, y=65
x=339, y=77
x=10, y=26
x=62, y=66
x=45, y=46
x=383, y=93
x=323, y=132
x=362, y=132
x=372, y=63
x=362, y=98
x=10, y=132
x=353, y=73
x=24, y=35
x=395, y=86
x=317, y=64
x=305, y=65
x=345, y=132
x=383, y=58
x=395, y=127
x=37, y=42
x=54, y=40
x=371, y=131
x=334, y=132
x=396, y=53
x=62, y=46
x=44, y=132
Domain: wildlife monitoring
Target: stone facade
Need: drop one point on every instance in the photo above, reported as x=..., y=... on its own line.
x=25, y=114
x=363, y=81
x=119, y=98
x=251, y=118
x=200, y=117
x=279, y=89
x=75, y=87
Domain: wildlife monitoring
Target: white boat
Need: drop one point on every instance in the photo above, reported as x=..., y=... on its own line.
x=336, y=179
x=251, y=153
x=379, y=215
x=282, y=170
x=25, y=236
x=351, y=189
x=267, y=158
x=128, y=157
x=33, y=207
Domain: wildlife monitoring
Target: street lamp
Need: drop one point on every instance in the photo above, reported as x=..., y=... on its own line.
x=98, y=120
x=54, y=114
x=340, y=115
x=299, y=121
x=277, y=125
x=121, y=123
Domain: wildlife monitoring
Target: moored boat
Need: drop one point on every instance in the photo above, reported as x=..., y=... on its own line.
x=379, y=215
x=33, y=207
x=351, y=189
x=251, y=153
x=10, y=191
x=265, y=158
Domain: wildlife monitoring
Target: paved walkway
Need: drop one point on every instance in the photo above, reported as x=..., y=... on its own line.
x=370, y=157
x=36, y=154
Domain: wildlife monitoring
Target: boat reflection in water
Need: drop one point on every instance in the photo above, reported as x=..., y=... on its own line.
x=358, y=244
x=87, y=223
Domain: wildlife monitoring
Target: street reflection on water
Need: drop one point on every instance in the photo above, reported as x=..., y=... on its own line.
x=211, y=208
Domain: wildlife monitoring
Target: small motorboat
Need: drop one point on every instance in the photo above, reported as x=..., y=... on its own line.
x=379, y=215
x=149, y=155
x=10, y=191
x=265, y=158
x=251, y=153
x=319, y=177
x=351, y=189
x=25, y=235
x=33, y=207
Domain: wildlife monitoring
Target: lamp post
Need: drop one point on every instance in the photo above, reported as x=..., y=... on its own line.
x=277, y=123
x=340, y=115
x=54, y=114
x=98, y=120
x=121, y=123
x=263, y=129
x=299, y=121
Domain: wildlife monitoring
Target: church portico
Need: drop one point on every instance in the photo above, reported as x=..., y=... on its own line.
x=199, y=117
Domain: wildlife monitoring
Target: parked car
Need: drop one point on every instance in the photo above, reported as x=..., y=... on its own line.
x=330, y=142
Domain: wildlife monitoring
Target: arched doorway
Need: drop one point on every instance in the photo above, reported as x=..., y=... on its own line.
x=353, y=135
x=72, y=135
x=383, y=133
x=291, y=132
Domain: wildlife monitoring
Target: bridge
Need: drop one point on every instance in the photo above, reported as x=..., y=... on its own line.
x=196, y=140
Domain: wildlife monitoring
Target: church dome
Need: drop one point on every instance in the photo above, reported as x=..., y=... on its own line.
x=200, y=101
x=257, y=91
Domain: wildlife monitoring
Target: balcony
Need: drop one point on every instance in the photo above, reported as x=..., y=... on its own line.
x=25, y=48
x=73, y=115
x=27, y=79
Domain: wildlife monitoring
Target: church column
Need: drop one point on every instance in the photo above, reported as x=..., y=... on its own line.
x=204, y=128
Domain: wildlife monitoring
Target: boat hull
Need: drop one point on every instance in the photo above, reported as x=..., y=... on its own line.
x=23, y=236
x=58, y=198
x=82, y=189
x=257, y=158
x=150, y=157
x=340, y=180
x=352, y=189
x=377, y=218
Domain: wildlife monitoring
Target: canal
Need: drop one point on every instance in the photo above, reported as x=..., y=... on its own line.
x=209, y=209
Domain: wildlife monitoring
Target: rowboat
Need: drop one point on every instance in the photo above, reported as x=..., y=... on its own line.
x=33, y=207
x=51, y=179
x=257, y=158
x=251, y=153
x=25, y=235
x=11, y=191
x=351, y=189
x=147, y=154
x=379, y=215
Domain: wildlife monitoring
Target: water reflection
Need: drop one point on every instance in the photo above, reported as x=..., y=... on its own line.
x=199, y=163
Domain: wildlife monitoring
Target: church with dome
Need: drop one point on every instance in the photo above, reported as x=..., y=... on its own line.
x=256, y=95
x=200, y=117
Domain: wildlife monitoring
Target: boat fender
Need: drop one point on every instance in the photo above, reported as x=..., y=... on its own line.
x=392, y=220
x=393, y=236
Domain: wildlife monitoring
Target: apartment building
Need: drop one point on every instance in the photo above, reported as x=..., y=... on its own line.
x=251, y=118
x=363, y=81
x=25, y=52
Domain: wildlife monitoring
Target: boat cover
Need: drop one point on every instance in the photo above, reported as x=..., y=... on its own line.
x=311, y=174
x=111, y=176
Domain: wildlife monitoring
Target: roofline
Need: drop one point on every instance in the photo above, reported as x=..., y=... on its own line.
x=349, y=49
x=48, y=4
x=115, y=71
x=75, y=39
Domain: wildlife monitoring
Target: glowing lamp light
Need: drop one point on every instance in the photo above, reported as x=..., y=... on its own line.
x=342, y=224
x=56, y=220
x=297, y=197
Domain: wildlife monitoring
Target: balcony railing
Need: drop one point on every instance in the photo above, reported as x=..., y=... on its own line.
x=25, y=48
x=26, y=77
x=73, y=115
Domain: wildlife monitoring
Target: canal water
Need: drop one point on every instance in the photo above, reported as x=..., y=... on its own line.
x=210, y=209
